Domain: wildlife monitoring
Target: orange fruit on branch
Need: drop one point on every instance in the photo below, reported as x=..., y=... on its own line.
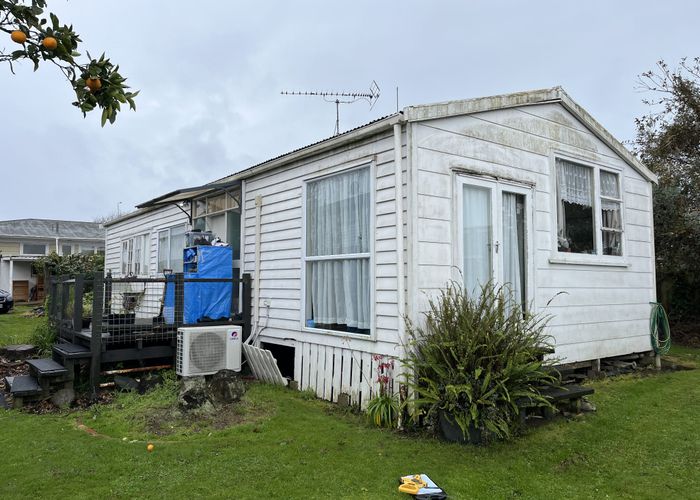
x=94, y=84
x=49, y=43
x=18, y=36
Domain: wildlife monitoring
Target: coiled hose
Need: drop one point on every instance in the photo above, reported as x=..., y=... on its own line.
x=659, y=329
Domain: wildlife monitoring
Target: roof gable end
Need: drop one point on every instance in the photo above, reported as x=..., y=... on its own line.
x=519, y=99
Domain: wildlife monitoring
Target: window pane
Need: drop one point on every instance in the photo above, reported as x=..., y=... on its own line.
x=612, y=227
x=34, y=249
x=126, y=256
x=233, y=232
x=137, y=255
x=87, y=249
x=177, y=245
x=217, y=225
x=216, y=203
x=338, y=222
x=575, y=225
x=337, y=295
x=163, y=250
x=66, y=249
x=200, y=208
x=337, y=210
x=612, y=243
x=199, y=224
x=514, y=246
x=609, y=186
x=476, y=237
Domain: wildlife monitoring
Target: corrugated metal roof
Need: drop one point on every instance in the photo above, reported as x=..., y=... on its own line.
x=288, y=153
x=47, y=228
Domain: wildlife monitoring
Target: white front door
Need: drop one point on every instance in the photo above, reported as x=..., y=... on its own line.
x=492, y=235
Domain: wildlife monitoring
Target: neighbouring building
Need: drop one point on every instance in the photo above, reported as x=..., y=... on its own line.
x=23, y=241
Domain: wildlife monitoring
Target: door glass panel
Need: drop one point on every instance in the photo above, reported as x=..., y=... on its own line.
x=514, y=246
x=476, y=237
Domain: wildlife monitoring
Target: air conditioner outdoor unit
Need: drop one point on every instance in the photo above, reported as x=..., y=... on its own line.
x=203, y=350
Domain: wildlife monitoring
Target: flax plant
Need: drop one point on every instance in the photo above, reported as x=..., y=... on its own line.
x=476, y=361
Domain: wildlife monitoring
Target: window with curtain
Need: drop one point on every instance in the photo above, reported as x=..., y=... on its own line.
x=576, y=199
x=513, y=213
x=171, y=243
x=575, y=223
x=337, y=256
x=134, y=259
x=611, y=221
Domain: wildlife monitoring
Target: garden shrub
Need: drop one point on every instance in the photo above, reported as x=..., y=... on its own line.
x=475, y=359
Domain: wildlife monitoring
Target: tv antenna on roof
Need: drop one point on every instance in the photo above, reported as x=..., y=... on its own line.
x=342, y=98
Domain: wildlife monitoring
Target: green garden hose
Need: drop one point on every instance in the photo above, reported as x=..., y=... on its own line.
x=659, y=329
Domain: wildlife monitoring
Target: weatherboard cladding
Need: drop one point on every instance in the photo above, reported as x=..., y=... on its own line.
x=604, y=309
x=46, y=228
x=282, y=247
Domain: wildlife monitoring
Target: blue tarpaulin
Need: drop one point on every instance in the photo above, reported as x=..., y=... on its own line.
x=202, y=301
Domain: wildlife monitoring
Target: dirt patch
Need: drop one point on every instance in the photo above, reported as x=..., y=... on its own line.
x=167, y=421
x=577, y=459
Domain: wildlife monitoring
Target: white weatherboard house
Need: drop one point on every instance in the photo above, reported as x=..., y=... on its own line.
x=526, y=188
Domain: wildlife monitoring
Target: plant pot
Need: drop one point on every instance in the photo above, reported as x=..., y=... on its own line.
x=86, y=323
x=453, y=433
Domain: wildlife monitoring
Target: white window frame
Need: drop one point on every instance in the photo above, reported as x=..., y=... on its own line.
x=597, y=259
x=30, y=243
x=129, y=268
x=372, y=336
x=169, y=230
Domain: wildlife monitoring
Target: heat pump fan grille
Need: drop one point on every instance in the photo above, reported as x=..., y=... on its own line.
x=207, y=352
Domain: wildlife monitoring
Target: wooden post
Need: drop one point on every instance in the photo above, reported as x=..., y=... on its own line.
x=78, y=304
x=246, y=305
x=108, y=293
x=96, y=337
x=179, y=299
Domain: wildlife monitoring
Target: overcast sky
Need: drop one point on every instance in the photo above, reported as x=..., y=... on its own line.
x=210, y=76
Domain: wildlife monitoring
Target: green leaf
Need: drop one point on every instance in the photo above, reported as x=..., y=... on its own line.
x=105, y=116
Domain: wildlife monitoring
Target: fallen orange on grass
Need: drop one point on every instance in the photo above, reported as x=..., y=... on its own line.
x=150, y=447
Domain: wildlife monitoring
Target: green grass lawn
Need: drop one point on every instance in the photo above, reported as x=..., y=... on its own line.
x=15, y=326
x=642, y=443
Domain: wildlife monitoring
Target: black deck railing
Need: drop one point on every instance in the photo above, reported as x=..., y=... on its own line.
x=137, y=318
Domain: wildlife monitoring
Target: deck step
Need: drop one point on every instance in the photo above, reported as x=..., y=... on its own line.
x=46, y=367
x=23, y=385
x=71, y=351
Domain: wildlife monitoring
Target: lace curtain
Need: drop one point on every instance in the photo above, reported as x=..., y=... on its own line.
x=338, y=222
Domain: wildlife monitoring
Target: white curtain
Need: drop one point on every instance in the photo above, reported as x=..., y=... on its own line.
x=574, y=185
x=476, y=234
x=512, y=248
x=338, y=222
x=609, y=187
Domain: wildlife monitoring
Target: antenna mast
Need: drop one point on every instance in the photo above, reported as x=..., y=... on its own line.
x=335, y=97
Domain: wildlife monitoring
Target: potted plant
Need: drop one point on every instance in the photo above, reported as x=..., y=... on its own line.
x=473, y=361
x=87, y=309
